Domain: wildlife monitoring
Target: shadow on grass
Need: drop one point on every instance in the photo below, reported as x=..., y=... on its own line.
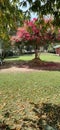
x=9, y=64
x=47, y=117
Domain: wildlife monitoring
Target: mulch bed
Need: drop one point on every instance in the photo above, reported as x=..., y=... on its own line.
x=33, y=64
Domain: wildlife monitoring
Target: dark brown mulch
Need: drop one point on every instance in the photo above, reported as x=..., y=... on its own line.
x=33, y=64
x=38, y=64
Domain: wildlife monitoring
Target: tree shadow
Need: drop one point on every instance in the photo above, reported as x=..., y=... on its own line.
x=9, y=64
x=47, y=117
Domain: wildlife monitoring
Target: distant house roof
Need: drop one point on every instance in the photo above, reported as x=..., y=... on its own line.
x=57, y=46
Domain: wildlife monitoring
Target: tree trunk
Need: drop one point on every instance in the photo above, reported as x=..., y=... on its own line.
x=36, y=52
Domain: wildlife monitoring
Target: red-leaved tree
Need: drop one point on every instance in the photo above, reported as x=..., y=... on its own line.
x=36, y=33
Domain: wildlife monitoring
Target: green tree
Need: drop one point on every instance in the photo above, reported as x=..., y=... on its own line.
x=10, y=15
x=11, y=12
x=45, y=7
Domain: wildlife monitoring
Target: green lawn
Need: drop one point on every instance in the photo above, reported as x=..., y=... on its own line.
x=43, y=56
x=32, y=86
x=18, y=89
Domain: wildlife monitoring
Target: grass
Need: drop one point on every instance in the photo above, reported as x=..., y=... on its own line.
x=17, y=90
x=34, y=86
x=43, y=56
x=50, y=57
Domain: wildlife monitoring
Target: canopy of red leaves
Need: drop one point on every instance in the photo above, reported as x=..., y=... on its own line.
x=33, y=31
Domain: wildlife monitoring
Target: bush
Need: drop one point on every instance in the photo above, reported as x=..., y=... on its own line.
x=51, y=49
x=8, y=53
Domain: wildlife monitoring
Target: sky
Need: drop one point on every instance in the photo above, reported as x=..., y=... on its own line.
x=33, y=15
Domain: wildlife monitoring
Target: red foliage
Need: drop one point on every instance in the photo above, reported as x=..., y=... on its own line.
x=31, y=31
